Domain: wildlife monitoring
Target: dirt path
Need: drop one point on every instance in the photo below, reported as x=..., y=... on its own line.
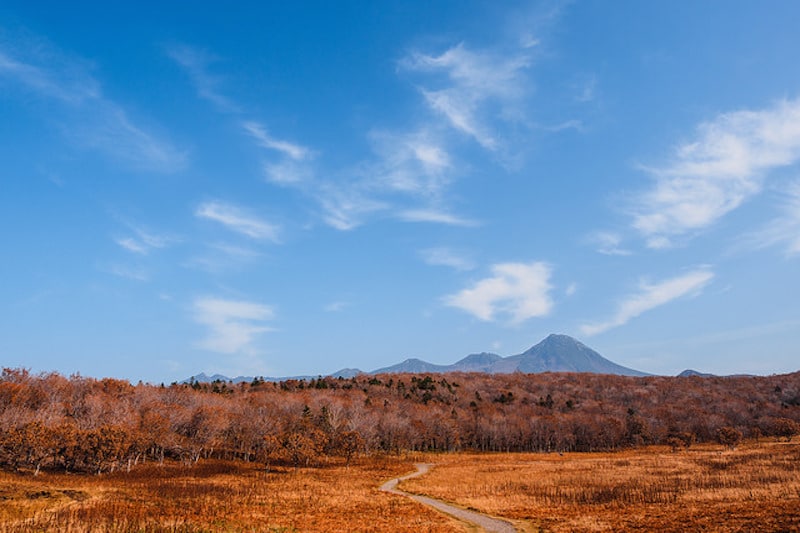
x=487, y=523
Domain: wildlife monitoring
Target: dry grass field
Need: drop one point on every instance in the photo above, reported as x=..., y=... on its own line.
x=216, y=496
x=706, y=488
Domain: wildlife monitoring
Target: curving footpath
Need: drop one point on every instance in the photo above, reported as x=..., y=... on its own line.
x=487, y=523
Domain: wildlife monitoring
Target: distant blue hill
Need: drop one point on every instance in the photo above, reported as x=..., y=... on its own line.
x=688, y=373
x=556, y=353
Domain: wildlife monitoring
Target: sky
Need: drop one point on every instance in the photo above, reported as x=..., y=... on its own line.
x=293, y=188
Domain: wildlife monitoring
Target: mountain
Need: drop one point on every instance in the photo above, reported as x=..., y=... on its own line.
x=346, y=373
x=691, y=373
x=694, y=373
x=561, y=353
x=204, y=378
x=477, y=362
x=413, y=366
x=556, y=353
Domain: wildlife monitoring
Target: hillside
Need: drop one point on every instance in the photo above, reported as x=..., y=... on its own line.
x=110, y=422
x=556, y=353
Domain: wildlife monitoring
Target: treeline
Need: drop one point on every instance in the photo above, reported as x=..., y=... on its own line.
x=88, y=425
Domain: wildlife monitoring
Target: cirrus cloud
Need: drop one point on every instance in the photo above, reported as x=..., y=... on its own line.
x=518, y=291
x=783, y=229
x=239, y=220
x=476, y=81
x=650, y=296
x=85, y=116
x=714, y=174
x=233, y=324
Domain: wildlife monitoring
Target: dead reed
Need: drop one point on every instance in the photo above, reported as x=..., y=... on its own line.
x=754, y=488
x=216, y=496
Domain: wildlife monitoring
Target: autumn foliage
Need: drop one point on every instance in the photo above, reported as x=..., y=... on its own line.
x=78, y=424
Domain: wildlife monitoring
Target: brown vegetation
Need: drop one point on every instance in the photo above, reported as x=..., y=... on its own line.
x=216, y=496
x=78, y=424
x=706, y=488
x=267, y=455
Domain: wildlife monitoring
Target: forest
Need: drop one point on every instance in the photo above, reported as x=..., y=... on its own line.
x=79, y=424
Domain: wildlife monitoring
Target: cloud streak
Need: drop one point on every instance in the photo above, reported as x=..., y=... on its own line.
x=259, y=132
x=233, y=324
x=652, y=295
x=518, y=291
x=90, y=119
x=784, y=229
x=607, y=243
x=435, y=216
x=239, y=220
x=196, y=63
x=446, y=257
x=718, y=171
x=476, y=81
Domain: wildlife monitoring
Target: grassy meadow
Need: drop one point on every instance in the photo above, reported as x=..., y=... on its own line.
x=217, y=496
x=755, y=487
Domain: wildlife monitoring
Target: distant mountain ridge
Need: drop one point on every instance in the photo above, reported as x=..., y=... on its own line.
x=556, y=353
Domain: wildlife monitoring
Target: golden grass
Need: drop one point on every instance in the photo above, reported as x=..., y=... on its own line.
x=753, y=488
x=216, y=496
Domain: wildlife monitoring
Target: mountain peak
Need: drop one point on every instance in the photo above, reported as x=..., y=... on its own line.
x=562, y=353
x=560, y=338
x=555, y=353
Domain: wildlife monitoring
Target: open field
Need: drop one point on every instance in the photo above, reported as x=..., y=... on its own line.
x=753, y=488
x=217, y=496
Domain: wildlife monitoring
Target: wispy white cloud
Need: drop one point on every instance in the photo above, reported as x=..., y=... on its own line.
x=259, y=132
x=71, y=83
x=784, y=229
x=129, y=272
x=714, y=174
x=435, y=216
x=586, y=89
x=337, y=307
x=528, y=40
x=446, y=257
x=346, y=207
x=288, y=173
x=143, y=241
x=407, y=179
x=607, y=243
x=197, y=64
x=571, y=124
x=132, y=245
x=476, y=80
x=239, y=220
x=221, y=257
x=106, y=127
x=519, y=291
x=410, y=174
x=233, y=324
x=571, y=289
x=87, y=117
x=460, y=111
x=416, y=163
x=650, y=296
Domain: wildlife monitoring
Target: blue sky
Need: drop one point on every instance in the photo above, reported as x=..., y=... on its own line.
x=284, y=188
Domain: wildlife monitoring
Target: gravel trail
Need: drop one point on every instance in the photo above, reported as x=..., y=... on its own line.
x=487, y=523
